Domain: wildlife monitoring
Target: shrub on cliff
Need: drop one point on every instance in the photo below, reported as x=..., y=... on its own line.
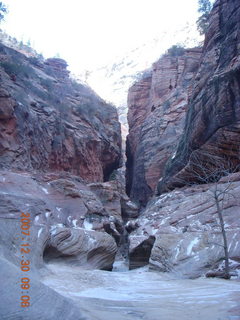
x=176, y=50
x=204, y=8
x=3, y=10
x=16, y=68
x=207, y=168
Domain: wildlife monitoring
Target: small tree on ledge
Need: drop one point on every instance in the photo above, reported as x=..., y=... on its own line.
x=176, y=50
x=3, y=11
x=206, y=168
x=204, y=8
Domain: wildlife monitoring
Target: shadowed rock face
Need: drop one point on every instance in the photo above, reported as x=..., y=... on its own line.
x=139, y=255
x=157, y=108
x=213, y=118
x=50, y=123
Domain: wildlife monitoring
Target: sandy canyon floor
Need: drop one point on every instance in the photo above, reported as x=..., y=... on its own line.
x=140, y=294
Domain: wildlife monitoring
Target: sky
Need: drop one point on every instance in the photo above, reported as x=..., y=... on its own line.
x=90, y=33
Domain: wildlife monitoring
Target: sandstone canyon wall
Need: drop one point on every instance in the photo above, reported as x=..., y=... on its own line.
x=51, y=123
x=188, y=108
x=157, y=109
x=60, y=153
x=213, y=119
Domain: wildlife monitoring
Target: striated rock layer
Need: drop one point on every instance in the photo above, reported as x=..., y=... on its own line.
x=157, y=108
x=67, y=221
x=48, y=122
x=213, y=119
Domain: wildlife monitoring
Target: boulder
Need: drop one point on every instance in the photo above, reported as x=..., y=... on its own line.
x=81, y=247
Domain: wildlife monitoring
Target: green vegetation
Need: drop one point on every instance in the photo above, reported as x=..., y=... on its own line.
x=47, y=83
x=49, y=71
x=176, y=50
x=166, y=105
x=87, y=110
x=16, y=69
x=3, y=10
x=204, y=8
x=34, y=61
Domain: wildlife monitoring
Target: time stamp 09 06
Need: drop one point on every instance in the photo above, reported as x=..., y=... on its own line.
x=25, y=262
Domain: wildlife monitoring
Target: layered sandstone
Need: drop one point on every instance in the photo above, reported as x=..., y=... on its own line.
x=188, y=103
x=213, y=119
x=51, y=123
x=157, y=108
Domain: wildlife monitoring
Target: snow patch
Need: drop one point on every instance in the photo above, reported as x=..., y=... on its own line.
x=87, y=225
x=174, y=155
x=154, y=231
x=178, y=249
x=232, y=264
x=164, y=221
x=74, y=222
x=45, y=190
x=53, y=229
x=47, y=214
x=236, y=246
x=120, y=266
x=92, y=240
x=191, y=245
x=196, y=258
x=39, y=232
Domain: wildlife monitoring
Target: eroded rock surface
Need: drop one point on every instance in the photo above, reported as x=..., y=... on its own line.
x=68, y=220
x=50, y=123
x=188, y=236
x=157, y=109
x=213, y=117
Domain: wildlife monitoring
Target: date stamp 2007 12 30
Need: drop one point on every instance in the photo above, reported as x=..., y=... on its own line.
x=25, y=263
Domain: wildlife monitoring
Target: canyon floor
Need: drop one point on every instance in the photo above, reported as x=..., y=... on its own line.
x=140, y=294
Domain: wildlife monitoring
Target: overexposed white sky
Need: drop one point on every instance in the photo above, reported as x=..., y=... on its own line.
x=89, y=33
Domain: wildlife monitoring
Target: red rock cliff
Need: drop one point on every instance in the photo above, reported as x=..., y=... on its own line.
x=50, y=123
x=157, y=107
x=213, y=118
